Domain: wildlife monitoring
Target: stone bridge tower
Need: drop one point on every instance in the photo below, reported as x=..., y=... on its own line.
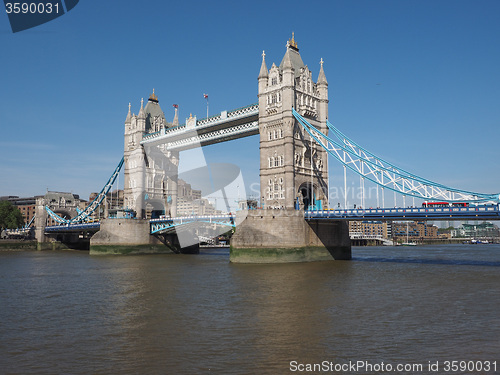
x=150, y=173
x=63, y=204
x=293, y=168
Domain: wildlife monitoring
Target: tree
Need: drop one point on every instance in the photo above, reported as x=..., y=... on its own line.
x=10, y=216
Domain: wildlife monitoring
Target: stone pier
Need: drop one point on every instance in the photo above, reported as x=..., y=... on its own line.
x=127, y=236
x=280, y=236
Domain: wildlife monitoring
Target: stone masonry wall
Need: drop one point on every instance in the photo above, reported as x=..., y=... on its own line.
x=293, y=238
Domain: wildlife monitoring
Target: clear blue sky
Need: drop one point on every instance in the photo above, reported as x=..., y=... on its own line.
x=416, y=82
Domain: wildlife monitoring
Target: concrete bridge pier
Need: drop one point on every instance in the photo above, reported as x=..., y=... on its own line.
x=129, y=236
x=280, y=236
x=40, y=222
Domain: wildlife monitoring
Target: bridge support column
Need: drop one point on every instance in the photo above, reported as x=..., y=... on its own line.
x=126, y=236
x=281, y=236
x=40, y=222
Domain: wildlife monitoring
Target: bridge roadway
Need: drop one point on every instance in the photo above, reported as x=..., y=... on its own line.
x=73, y=228
x=163, y=225
x=486, y=212
x=225, y=126
x=168, y=225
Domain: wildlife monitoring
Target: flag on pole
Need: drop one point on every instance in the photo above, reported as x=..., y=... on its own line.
x=175, y=105
x=206, y=97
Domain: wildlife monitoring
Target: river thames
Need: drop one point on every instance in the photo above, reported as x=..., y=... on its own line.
x=71, y=313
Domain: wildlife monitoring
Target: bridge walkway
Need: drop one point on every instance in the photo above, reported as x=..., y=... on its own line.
x=483, y=212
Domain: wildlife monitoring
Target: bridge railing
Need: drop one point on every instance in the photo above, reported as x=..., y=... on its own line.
x=243, y=111
x=218, y=134
x=191, y=218
x=235, y=113
x=207, y=122
x=168, y=223
x=400, y=213
x=73, y=227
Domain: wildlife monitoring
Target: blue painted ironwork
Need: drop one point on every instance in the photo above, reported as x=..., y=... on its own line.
x=55, y=216
x=481, y=212
x=164, y=225
x=30, y=222
x=100, y=197
x=385, y=174
x=89, y=210
x=73, y=227
x=24, y=230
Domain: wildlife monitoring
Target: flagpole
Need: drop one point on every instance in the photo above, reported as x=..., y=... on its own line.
x=206, y=97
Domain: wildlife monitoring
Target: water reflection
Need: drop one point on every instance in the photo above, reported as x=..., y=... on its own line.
x=469, y=255
x=430, y=261
x=71, y=313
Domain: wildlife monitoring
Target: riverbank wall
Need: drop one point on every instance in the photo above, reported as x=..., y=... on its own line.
x=9, y=245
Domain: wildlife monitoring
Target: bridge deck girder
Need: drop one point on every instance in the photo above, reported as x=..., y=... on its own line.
x=74, y=228
x=390, y=214
x=223, y=127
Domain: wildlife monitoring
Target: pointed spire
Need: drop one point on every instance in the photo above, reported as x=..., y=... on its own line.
x=292, y=43
x=292, y=59
x=129, y=115
x=141, y=111
x=176, y=116
x=287, y=61
x=263, y=68
x=321, y=76
x=153, y=97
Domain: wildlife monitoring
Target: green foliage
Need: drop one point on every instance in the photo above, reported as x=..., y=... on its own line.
x=10, y=216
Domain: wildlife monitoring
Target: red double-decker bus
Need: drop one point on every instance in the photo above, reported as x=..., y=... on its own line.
x=445, y=204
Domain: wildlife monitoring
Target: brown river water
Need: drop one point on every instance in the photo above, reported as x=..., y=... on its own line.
x=391, y=309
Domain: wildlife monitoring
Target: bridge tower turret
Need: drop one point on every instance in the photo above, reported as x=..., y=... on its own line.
x=150, y=181
x=293, y=169
x=134, y=171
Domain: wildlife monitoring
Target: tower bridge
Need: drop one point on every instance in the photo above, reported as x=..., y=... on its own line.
x=296, y=142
